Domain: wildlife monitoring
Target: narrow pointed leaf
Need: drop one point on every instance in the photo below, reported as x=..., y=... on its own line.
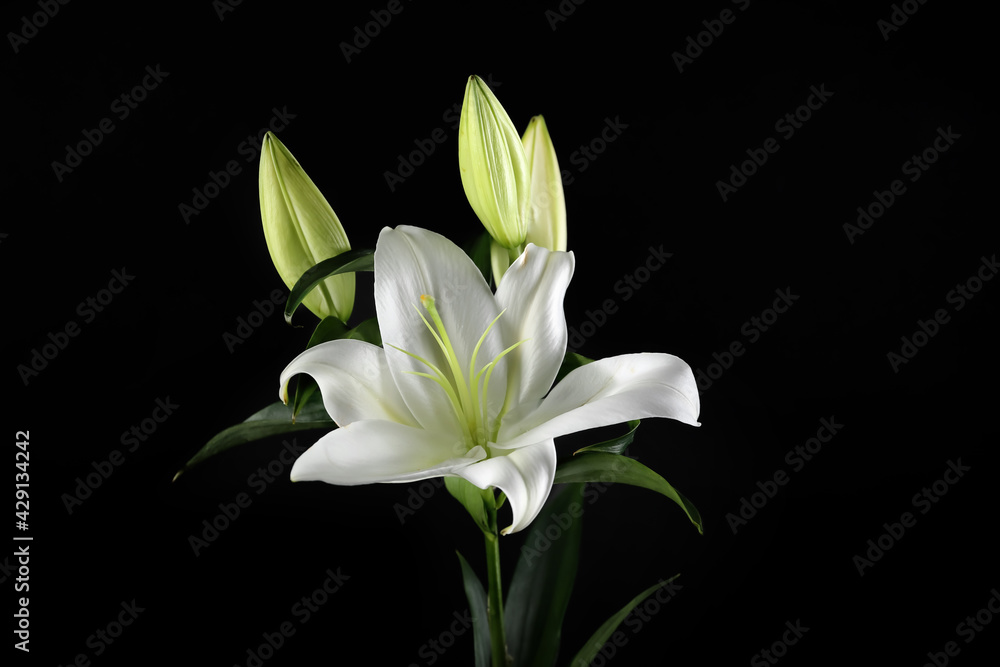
x=333, y=329
x=603, y=467
x=476, y=594
x=543, y=580
x=599, y=638
x=615, y=445
x=368, y=331
x=354, y=260
x=275, y=419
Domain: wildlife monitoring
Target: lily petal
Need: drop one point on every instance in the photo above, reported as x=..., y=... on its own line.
x=411, y=262
x=366, y=452
x=532, y=293
x=355, y=381
x=605, y=392
x=524, y=474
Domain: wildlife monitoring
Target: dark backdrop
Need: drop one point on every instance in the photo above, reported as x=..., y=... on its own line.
x=823, y=367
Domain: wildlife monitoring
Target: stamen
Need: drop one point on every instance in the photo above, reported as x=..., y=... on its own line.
x=486, y=384
x=468, y=400
x=456, y=370
x=439, y=378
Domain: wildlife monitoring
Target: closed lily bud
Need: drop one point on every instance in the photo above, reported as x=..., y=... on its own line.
x=546, y=211
x=302, y=230
x=494, y=169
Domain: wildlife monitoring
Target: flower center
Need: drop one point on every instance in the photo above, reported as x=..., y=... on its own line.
x=467, y=388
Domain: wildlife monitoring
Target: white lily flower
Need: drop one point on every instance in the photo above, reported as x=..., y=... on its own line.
x=462, y=387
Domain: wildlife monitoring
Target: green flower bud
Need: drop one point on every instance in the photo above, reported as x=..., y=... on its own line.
x=493, y=165
x=301, y=229
x=546, y=212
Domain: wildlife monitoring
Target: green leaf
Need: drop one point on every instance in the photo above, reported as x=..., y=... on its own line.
x=615, y=445
x=599, y=638
x=353, y=260
x=602, y=467
x=329, y=328
x=477, y=606
x=479, y=252
x=543, y=580
x=275, y=419
x=333, y=329
x=305, y=388
x=368, y=331
x=571, y=362
x=473, y=499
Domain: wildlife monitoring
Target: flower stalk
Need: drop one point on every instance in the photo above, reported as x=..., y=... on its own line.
x=494, y=600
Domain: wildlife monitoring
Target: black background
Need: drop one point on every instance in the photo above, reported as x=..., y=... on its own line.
x=655, y=185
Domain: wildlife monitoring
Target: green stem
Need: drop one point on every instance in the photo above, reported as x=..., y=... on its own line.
x=494, y=602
